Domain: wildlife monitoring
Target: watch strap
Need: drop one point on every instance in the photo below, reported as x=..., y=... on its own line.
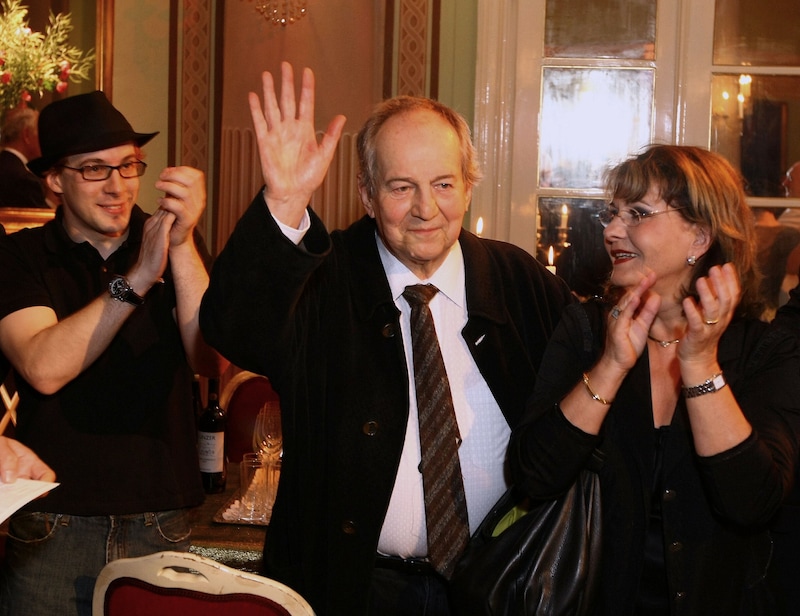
x=709, y=386
x=120, y=289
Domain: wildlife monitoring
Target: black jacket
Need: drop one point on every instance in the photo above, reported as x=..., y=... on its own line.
x=319, y=321
x=19, y=187
x=714, y=510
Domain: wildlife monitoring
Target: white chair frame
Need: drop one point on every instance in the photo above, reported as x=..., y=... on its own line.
x=197, y=573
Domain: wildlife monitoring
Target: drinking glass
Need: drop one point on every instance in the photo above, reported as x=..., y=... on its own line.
x=273, y=470
x=254, y=488
x=267, y=434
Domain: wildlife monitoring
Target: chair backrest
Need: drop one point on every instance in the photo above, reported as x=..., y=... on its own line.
x=10, y=400
x=242, y=398
x=175, y=583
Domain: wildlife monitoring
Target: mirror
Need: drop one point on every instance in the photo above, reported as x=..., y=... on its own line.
x=755, y=120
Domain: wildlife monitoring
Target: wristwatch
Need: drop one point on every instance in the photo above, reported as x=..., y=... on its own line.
x=120, y=289
x=715, y=383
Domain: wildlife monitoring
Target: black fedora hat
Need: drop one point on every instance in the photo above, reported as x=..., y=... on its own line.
x=81, y=123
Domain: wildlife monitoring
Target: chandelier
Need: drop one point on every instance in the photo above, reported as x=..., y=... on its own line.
x=282, y=12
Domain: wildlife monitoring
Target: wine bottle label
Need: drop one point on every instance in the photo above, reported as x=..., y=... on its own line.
x=211, y=451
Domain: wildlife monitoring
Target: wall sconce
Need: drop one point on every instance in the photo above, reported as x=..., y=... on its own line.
x=282, y=12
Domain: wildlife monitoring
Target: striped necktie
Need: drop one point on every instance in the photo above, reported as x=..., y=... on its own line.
x=443, y=485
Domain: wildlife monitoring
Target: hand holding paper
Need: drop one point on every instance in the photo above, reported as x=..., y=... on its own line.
x=22, y=491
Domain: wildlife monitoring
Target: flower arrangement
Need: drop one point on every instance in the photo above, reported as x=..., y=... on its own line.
x=35, y=62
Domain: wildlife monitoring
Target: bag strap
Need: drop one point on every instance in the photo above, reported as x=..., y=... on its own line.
x=598, y=457
x=588, y=334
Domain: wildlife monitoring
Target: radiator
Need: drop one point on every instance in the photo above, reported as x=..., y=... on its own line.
x=336, y=202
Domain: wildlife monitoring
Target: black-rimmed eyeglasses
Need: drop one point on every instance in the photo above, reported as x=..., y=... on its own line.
x=98, y=173
x=629, y=216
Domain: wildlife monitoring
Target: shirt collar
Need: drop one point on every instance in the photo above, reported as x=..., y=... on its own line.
x=449, y=278
x=17, y=153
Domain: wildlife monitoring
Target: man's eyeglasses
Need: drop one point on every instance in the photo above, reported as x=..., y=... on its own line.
x=98, y=173
x=629, y=216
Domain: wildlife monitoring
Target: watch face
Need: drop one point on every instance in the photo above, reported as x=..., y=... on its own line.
x=118, y=287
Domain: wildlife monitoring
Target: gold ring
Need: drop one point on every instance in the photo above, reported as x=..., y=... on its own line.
x=711, y=321
x=615, y=312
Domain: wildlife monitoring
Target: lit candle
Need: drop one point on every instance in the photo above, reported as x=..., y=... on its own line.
x=564, y=216
x=550, y=256
x=479, y=226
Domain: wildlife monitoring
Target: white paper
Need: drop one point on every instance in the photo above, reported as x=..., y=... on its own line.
x=22, y=491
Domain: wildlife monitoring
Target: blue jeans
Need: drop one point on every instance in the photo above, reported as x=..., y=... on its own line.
x=52, y=560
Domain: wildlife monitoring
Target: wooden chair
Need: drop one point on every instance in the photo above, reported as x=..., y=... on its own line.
x=172, y=583
x=242, y=398
x=10, y=399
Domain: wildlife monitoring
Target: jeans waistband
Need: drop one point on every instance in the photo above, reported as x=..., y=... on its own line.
x=147, y=518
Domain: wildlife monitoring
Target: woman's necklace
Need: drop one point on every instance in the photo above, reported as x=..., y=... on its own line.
x=664, y=343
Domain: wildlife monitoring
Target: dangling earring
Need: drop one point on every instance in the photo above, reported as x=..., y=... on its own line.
x=691, y=261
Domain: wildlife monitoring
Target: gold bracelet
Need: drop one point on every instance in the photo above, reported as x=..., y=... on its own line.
x=593, y=395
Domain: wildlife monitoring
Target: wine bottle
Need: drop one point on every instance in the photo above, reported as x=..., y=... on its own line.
x=211, y=442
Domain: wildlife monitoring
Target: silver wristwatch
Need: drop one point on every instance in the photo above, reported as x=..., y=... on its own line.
x=715, y=383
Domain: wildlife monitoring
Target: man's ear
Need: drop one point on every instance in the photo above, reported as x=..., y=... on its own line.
x=363, y=192
x=53, y=181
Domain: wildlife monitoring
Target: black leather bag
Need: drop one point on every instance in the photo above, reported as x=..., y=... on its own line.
x=546, y=563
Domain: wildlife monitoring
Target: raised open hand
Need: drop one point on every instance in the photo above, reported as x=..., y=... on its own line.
x=293, y=163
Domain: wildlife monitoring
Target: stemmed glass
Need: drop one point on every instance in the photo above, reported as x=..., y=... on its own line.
x=267, y=435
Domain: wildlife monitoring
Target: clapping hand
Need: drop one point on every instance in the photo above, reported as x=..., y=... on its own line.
x=629, y=323
x=719, y=294
x=184, y=196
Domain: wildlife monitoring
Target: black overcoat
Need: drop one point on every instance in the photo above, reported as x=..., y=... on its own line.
x=318, y=319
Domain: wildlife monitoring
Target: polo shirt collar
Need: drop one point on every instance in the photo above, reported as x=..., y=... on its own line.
x=57, y=238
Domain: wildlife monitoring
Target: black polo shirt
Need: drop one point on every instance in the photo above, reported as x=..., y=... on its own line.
x=121, y=436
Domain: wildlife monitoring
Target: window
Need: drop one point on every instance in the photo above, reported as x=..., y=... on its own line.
x=567, y=88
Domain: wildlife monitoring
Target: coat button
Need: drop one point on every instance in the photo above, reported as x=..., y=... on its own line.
x=675, y=546
x=680, y=595
x=389, y=330
x=349, y=527
x=670, y=495
x=370, y=428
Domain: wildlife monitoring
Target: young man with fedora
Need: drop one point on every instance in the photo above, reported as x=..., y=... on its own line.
x=99, y=319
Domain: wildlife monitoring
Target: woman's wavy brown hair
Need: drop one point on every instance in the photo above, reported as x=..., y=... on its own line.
x=710, y=193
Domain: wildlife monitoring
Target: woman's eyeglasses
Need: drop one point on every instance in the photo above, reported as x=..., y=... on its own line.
x=629, y=216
